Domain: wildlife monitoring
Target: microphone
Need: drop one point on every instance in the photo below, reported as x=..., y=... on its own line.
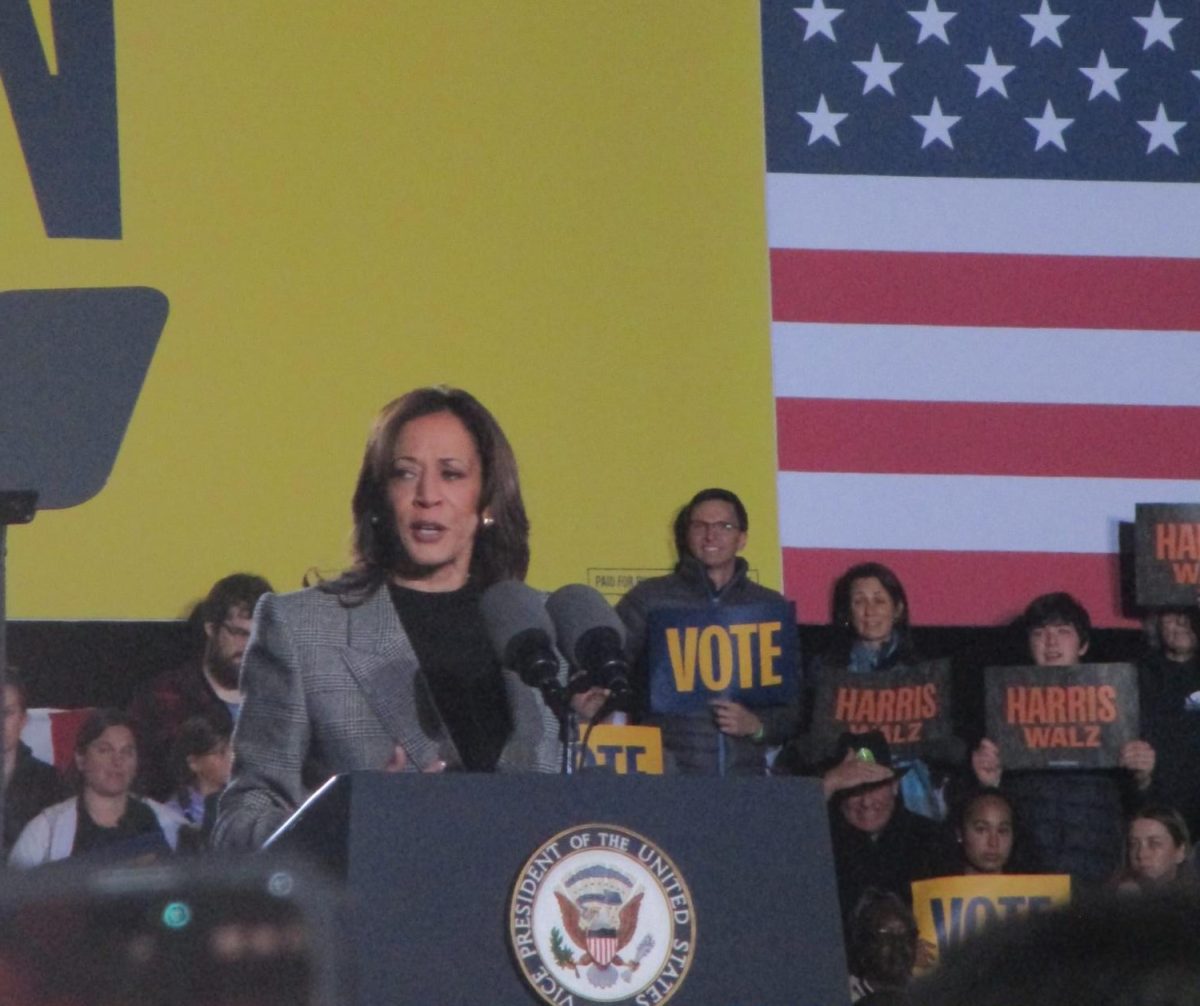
x=521, y=633
x=592, y=637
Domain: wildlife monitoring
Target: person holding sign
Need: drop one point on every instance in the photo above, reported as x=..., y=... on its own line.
x=715, y=655
x=984, y=830
x=870, y=678
x=1118, y=952
x=1071, y=817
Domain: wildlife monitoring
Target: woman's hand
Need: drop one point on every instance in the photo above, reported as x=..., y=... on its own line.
x=399, y=762
x=734, y=719
x=1139, y=758
x=985, y=763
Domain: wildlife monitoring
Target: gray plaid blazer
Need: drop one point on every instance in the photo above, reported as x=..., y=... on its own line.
x=338, y=686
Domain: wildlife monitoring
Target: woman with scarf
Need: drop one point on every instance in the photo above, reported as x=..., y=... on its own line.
x=871, y=634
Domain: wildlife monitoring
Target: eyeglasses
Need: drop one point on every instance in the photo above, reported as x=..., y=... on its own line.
x=716, y=526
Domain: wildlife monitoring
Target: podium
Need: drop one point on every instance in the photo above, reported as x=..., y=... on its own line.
x=441, y=872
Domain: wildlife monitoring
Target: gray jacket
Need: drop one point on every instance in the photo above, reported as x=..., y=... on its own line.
x=690, y=742
x=338, y=685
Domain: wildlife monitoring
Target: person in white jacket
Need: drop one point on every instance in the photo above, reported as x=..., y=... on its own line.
x=105, y=821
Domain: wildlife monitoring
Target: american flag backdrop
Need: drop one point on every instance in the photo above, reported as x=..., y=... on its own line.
x=984, y=228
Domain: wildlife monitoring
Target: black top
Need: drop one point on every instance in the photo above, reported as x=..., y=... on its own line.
x=34, y=786
x=1171, y=723
x=136, y=834
x=450, y=640
x=909, y=848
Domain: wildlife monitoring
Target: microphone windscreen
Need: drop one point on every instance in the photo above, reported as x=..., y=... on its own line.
x=511, y=608
x=576, y=609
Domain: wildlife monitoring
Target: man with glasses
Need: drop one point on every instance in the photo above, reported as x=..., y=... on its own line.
x=710, y=531
x=205, y=685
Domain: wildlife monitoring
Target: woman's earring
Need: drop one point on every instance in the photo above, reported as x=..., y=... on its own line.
x=488, y=520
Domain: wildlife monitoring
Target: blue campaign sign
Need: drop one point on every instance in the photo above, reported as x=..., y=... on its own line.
x=748, y=652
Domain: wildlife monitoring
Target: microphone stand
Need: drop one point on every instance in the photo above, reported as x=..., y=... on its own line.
x=557, y=702
x=612, y=704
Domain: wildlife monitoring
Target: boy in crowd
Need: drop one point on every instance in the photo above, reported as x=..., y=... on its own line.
x=1071, y=818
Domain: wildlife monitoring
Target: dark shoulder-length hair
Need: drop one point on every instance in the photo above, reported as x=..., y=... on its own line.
x=501, y=550
x=843, y=638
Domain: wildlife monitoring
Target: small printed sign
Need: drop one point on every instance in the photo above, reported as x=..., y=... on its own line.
x=615, y=582
x=624, y=750
x=618, y=580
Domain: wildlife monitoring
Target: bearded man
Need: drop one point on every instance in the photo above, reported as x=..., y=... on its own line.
x=205, y=685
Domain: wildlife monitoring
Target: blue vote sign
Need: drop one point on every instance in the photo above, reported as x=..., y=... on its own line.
x=745, y=652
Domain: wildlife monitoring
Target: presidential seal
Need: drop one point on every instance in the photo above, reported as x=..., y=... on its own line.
x=599, y=914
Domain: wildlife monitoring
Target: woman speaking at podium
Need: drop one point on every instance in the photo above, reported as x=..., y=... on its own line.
x=389, y=666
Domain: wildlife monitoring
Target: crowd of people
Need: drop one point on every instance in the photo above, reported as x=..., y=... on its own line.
x=390, y=666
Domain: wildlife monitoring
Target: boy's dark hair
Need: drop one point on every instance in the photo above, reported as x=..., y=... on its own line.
x=1059, y=608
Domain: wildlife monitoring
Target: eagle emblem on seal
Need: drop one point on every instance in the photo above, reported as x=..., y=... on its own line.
x=599, y=907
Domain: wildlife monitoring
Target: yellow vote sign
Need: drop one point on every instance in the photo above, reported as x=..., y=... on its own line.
x=949, y=910
x=625, y=750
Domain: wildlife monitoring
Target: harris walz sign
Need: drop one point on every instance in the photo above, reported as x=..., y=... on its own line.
x=1167, y=554
x=910, y=706
x=1062, y=717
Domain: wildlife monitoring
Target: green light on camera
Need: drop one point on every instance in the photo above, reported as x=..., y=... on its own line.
x=176, y=915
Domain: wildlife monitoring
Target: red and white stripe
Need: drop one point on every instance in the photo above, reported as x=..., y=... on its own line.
x=602, y=948
x=976, y=381
x=50, y=734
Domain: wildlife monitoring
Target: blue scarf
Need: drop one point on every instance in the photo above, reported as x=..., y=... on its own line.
x=916, y=785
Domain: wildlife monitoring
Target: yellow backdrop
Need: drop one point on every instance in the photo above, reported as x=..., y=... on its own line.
x=557, y=206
